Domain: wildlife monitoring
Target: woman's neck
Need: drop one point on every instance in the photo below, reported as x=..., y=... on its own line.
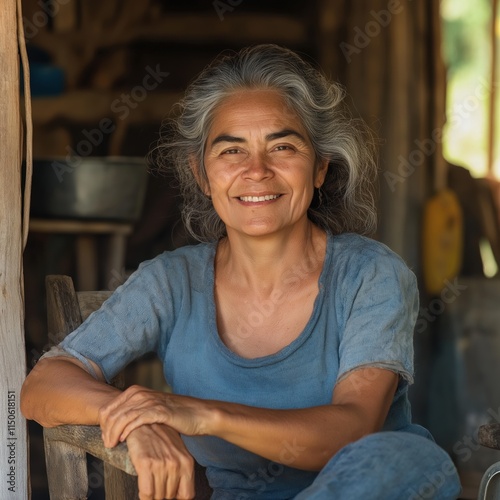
x=263, y=264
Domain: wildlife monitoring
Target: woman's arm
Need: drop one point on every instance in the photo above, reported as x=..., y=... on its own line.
x=308, y=438
x=304, y=438
x=59, y=390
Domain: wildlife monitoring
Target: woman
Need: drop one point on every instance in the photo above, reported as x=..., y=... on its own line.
x=286, y=337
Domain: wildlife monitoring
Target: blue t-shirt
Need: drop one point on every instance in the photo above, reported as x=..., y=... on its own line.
x=364, y=315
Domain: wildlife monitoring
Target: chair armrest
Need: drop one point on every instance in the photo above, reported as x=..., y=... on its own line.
x=88, y=438
x=489, y=436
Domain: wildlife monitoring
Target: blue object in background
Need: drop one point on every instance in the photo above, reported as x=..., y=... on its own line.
x=45, y=78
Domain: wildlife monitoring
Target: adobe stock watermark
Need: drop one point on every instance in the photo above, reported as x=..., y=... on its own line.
x=424, y=149
x=11, y=443
x=122, y=107
x=223, y=6
x=41, y=18
x=379, y=20
x=464, y=450
x=432, y=482
x=465, y=447
x=95, y=476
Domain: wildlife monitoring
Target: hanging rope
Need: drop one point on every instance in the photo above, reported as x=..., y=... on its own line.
x=28, y=135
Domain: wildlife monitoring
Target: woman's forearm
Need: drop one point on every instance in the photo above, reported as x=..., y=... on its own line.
x=305, y=438
x=58, y=391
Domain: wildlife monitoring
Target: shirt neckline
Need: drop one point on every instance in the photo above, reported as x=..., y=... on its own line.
x=288, y=349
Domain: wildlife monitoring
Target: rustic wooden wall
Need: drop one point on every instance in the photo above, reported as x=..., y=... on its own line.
x=13, y=431
x=390, y=61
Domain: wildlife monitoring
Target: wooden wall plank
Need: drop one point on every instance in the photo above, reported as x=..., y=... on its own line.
x=13, y=430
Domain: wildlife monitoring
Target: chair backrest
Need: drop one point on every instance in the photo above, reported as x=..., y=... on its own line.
x=66, y=447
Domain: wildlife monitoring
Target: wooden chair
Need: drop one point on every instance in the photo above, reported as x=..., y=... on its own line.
x=67, y=446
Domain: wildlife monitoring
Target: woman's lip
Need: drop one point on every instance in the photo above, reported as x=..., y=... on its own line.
x=253, y=198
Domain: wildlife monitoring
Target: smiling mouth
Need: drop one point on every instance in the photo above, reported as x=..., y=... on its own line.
x=256, y=199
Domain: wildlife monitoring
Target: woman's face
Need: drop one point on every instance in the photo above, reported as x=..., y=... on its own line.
x=260, y=164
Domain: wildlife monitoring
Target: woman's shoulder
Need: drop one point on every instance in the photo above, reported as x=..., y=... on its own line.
x=191, y=255
x=190, y=263
x=359, y=258
x=364, y=269
x=362, y=248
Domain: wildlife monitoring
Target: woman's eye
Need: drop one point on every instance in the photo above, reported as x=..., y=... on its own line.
x=283, y=147
x=232, y=151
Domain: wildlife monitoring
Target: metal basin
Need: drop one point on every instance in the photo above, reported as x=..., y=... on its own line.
x=110, y=188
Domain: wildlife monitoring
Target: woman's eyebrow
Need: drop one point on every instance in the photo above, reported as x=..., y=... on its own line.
x=284, y=133
x=269, y=137
x=226, y=138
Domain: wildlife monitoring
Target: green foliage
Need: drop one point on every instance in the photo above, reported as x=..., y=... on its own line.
x=466, y=50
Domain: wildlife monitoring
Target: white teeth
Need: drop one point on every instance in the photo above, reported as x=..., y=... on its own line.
x=255, y=199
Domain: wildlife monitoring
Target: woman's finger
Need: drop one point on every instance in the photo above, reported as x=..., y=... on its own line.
x=126, y=409
x=145, y=482
x=186, y=489
x=163, y=464
x=141, y=420
x=179, y=468
x=172, y=482
x=118, y=428
x=113, y=428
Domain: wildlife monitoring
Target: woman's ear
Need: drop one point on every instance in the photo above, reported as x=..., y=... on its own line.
x=321, y=170
x=195, y=168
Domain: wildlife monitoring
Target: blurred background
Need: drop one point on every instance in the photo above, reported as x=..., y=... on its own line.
x=105, y=74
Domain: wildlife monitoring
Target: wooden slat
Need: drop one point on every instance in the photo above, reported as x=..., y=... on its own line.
x=493, y=89
x=91, y=301
x=63, y=312
x=13, y=430
x=188, y=28
x=66, y=19
x=90, y=106
x=66, y=470
x=330, y=16
x=66, y=446
x=119, y=484
x=88, y=437
x=79, y=227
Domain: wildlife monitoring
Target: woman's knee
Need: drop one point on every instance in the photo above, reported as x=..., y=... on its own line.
x=392, y=465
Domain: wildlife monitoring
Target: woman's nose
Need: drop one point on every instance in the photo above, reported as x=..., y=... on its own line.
x=258, y=168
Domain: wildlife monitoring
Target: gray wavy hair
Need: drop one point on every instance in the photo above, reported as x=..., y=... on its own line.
x=346, y=201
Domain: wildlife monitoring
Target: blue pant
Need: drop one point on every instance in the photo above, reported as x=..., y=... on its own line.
x=387, y=466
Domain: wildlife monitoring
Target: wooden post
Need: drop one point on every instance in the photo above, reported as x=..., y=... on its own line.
x=13, y=430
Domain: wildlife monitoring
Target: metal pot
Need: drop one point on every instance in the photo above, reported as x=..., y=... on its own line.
x=110, y=188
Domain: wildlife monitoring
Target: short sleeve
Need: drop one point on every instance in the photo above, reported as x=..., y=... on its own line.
x=380, y=307
x=129, y=324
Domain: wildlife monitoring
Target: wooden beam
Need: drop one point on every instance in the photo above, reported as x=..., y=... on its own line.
x=493, y=80
x=13, y=429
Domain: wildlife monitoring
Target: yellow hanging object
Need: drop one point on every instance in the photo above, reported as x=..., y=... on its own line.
x=442, y=240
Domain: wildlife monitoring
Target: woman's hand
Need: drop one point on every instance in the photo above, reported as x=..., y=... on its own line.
x=163, y=464
x=137, y=406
